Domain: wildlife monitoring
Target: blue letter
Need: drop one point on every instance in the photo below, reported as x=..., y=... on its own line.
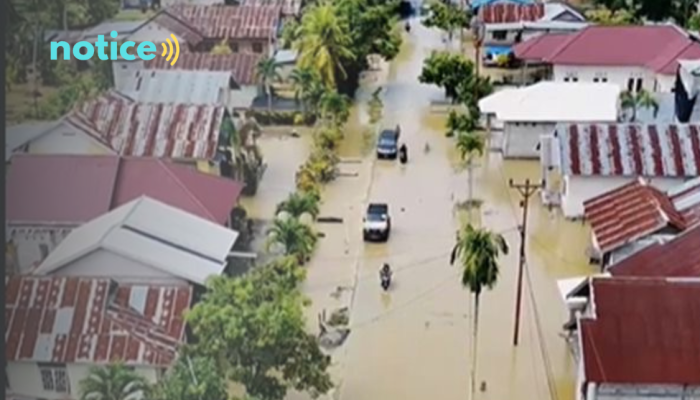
x=54, y=50
x=113, y=47
x=101, y=44
x=123, y=52
x=86, y=45
x=140, y=51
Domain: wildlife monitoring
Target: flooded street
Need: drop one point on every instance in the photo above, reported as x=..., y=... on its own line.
x=413, y=342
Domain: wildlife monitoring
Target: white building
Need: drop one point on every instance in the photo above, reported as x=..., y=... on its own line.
x=613, y=54
x=144, y=241
x=582, y=161
x=530, y=112
x=58, y=328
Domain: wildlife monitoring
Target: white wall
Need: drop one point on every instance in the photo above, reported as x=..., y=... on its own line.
x=578, y=189
x=102, y=263
x=243, y=98
x=28, y=241
x=67, y=140
x=665, y=83
x=618, y=75
x=25, y=379
x=521, y=138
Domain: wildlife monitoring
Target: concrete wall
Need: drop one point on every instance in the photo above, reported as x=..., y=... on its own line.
x=521, y=138
x=618, y=75
x=29, y=242
x=103, y=263
x=578, y=189
x=25, y=379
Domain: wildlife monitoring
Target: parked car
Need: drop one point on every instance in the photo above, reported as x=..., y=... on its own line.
x=388, y=143
x=377, y=222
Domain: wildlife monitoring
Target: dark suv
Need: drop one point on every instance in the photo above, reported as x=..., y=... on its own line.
x=388, y=143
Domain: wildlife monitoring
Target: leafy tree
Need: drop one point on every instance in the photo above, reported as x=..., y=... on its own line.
x=447, y=16
x=334, y=107
x=268, y=72
x=605, y=16
x=299, y=203
x=296, y=238
x=694, y=22
x=253, y=327
x=637, y=101
x=455, y=74
x=308, y=87
x=112, y=382
x=477, y=251
x=222, y=48
x=192, y=378
x=470, y=145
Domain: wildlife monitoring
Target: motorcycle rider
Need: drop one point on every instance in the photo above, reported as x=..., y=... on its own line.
x=403, y=153
x=385, y=272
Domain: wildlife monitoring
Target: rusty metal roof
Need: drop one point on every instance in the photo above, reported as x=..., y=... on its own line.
x=156, y=129
x=289, y=7
x=644, y=331
x=628, y=213
x=510, y=12
x=630, y=149
x=243, y=66
x=679, y=257
x=68, y=320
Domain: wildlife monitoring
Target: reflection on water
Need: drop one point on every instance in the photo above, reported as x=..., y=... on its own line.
x=413, y=342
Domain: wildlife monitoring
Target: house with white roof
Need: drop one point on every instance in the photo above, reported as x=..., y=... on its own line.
x=582, y=161
x=526, y=114
x=143, y=241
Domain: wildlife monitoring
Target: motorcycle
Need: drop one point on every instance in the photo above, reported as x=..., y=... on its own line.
x=385, y=277
x=403, y=154
x=407, y=27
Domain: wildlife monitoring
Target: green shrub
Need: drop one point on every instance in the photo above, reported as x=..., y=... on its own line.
x=264, y=117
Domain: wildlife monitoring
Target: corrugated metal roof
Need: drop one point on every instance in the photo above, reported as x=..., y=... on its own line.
x=645, y=331
x=679, y=257
x=510, y=12
x=153, y=233
x=18, y=135
x=75, y=320
x=686, y=199
x=630, y=149
x=156, y=129
x=200, y=87
x=628, y=213
x=242, y=66
x=289, y=7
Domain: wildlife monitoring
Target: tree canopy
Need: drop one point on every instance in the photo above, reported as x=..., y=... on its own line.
x=456, y=75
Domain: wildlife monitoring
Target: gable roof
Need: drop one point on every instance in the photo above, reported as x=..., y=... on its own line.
x=644, y=331
x=152, y=233
x=76, y=320
x=72, y=189
x=628, y=213
x=663, y=150
x=243, y=66
x=677, y=258
x=663, y=46
x=193, y=87
x=539, y=47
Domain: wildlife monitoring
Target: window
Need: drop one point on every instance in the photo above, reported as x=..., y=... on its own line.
x=234, y=47
x=54, y=378
x=566, y=79
x=630, y=84
x=596, y=80
x=499, y=35
x=575, y=79
x=638, y=88
x=44, y=250
x=604, y=79
x=257, y=48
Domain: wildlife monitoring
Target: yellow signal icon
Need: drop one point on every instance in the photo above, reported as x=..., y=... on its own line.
x=170, y=51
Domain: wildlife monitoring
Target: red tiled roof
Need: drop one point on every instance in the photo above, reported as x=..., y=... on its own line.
x=630, y=150
x=663, y=46
x=677, y=258
x=73, y=189
x=59, y=189
x=646, y=331
x=510, y=12
x=628, y=213
x=215, y=22
x=156, y=129
x=66, y=320
x=243, y=66
x=539, y=47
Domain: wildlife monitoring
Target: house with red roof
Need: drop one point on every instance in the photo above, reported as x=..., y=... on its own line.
x=58, y=327
x=583, y=161
x=581, y=57
x=639, y=339
x=48, y=196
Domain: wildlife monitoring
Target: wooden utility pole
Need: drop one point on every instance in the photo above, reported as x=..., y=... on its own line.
x=526, y=190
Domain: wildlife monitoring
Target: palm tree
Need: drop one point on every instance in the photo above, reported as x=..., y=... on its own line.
x=268, y=72
x=639, y=100
x=297, y=238
x=478, y=251
x=470, y=145
x=323, y=42
x=335, y=107
x=112, y=382
x=306, y=83
x=298, y=204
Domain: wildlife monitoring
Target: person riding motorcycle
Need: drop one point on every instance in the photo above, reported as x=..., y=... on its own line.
x=403, y=153
x=386, y=271
x=407, y=26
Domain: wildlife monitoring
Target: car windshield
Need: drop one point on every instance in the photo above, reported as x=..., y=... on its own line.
x=386, y=142
x=376, y=217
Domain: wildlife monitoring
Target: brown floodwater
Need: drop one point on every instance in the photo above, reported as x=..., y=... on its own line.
x=414, y=341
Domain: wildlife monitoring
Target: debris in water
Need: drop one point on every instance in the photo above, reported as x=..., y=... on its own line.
x=294, y=133
x=340, y=316
x=335, y=220
x=483, y=386
x=426, y=149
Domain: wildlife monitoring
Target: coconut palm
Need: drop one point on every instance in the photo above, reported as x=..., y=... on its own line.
x=307, y=86
x=323, y=42
x=300, y=203
x=470, y=145
x=637, y=101
x=112, y=382
x=477, y=251
x=268, y=72
x=297, y=238
x=334, y=107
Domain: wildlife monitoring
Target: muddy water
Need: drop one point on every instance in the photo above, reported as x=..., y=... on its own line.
x=413, y=342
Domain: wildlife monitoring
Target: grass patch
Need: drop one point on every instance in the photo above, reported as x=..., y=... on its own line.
x=20, y=101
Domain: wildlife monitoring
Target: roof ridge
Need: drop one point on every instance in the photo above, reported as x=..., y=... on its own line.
x=185, y=188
